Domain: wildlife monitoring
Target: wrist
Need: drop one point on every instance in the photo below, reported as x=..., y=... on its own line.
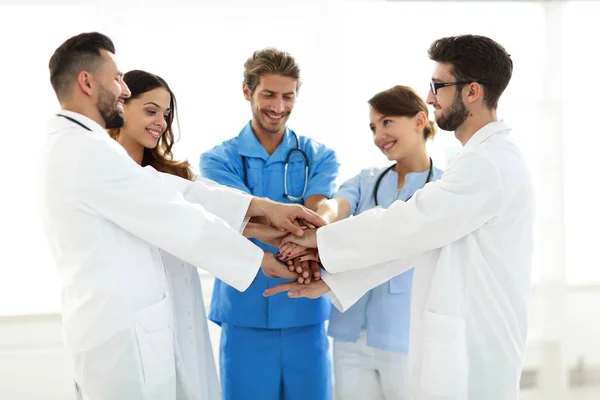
x=328, y=217
x=258, y=207
x=250, y=230
x=266, y=256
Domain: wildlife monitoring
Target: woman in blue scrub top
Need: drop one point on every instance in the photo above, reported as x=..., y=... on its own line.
x=370, y=340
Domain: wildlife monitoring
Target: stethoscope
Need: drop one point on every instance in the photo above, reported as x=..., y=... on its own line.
x=379, y=179
x=285, y=170
x=74, y=121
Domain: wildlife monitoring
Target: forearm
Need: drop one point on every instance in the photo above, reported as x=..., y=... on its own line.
x=251, y=230
x=258, y=207
x=333, y=210
x=265, y=233
x=314, y=202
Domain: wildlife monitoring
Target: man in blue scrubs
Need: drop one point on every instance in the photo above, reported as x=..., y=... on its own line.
x=272, y=348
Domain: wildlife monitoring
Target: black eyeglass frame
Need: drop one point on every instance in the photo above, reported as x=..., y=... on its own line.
x=435, y=86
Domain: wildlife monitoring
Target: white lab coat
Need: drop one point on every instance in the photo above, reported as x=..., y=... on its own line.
x=195, y=365
x=469, y=236
x=196, y=370
x=105, y=219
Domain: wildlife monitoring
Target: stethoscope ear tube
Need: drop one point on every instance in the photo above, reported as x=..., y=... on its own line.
x=285, y=171
x=388, y=169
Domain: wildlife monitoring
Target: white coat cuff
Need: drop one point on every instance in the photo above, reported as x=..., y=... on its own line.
x=325, y=251
x=335, y=294
x=244, y=224
x=246, y=280
x=239, y=219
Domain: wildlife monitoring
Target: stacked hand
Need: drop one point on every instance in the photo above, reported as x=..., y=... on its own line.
x=292, y=228
x=288, y=218
x=302, y=257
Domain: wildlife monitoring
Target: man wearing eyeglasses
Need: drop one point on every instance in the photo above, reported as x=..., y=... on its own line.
x=276, y=348
x=469, y=236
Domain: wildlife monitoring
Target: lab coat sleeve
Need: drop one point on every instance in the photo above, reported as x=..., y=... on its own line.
x=323, y=174
x=468, y=195
x=111, y=185
x=226, y=203
x=348, y=287
x=216, y=198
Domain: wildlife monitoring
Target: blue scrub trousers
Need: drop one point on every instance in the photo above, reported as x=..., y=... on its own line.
x=275, y=364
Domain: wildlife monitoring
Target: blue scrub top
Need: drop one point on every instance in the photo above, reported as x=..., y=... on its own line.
x=223, y=164
x=384, y=311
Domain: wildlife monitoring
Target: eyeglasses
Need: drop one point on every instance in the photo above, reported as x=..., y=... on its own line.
x=435, y=86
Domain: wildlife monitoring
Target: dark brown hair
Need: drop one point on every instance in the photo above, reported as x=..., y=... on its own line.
x=76, y=54
x=402, y=101
x=160, y=157
x=476, y=58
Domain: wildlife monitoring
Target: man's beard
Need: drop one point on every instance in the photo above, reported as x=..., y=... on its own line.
x=454, y=116
x=268, y=127
x=109, y=110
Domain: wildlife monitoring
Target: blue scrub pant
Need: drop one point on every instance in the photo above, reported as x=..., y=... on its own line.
x=275, y=364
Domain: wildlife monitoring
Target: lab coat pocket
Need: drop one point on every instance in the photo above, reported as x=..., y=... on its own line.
x=445, y=363
x=401, y=283
x=155, y=342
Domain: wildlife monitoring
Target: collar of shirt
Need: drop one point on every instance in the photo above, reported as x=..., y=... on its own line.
x=412, y=182
x=88, y=122
x=249, y=146
x=485, y=132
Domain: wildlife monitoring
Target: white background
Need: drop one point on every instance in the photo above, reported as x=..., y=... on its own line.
x=348, y=51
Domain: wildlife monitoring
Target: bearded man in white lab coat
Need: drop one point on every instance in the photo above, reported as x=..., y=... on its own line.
x=469, y=236
x=106, y=219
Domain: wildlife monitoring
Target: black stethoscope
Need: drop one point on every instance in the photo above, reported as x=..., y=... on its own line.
x=379, y=179
x=285, y=170
x=75, y=121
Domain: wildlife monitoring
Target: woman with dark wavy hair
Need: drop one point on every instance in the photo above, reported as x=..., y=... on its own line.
x=148, y=131
x=148, y=138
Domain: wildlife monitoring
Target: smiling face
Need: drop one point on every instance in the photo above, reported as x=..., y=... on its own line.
x=396, y=136
x=146, y=119
x=111, y=91
x=272, y=102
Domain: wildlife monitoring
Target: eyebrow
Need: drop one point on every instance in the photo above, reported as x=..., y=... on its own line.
x=272, y=92
x=372, y=125
x=156, y=105
x=436, y=80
